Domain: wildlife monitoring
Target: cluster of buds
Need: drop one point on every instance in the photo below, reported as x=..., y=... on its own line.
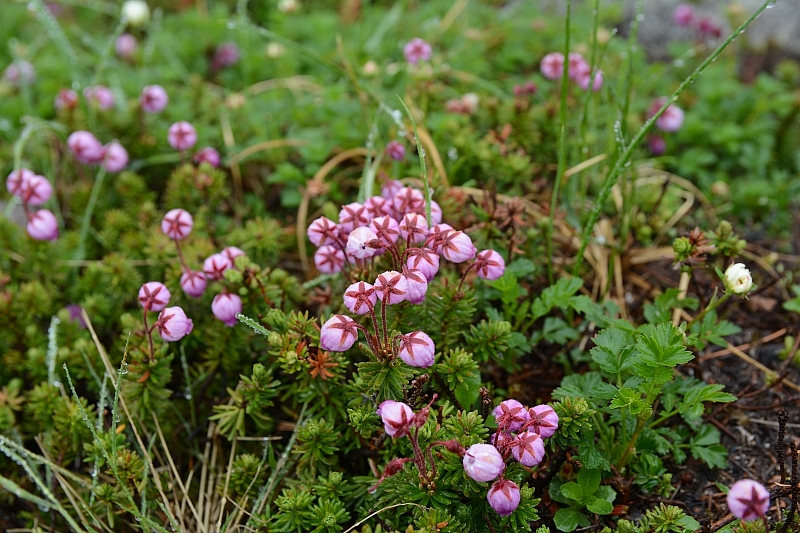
x=172, y=323
x=520, y=434
x=90, y=151
x=177, y=225
x=579, y=70
x=34, y=190
x=392, y=224
x=686, y=16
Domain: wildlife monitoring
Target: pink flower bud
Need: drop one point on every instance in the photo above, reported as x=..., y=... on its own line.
x=416, y=349
x=503, y=496
x=528, y=448
x=173, y=325
x=153, y=99
x=362, y=243
x=214, y=266
x=154, y=296
x=328, y=259
x=657, y=145
x=510, y=415
x=424, y=260
x=397, y=418
x=407, y=200
x=42, y=225
x=708, y=29
x=66, y=99
x=489, y=265
x=414, y=228
x=226, y=55
x=483, y=462
x=181, y=136
x=417, y=50
x=225, y=307
x=322, y=231
x=683, y=15
x=392, y=467
x=100, y=95
x=126, y=46
x=386, y=228
x=360, y=298
x=436, y=212
x=193, y=283
x=543, y=420
x=232, y=252
x=391, y=287
x=85, y=147
x=456, y=246
x=577, y=65
x=16, y=181
x=177, y=224
x=353, y=216
x=396, y=150
x=36, y=190
x=207, y=155
x=378, y=206
x=672, y=118
x=20, y=73
x=584, y=78
x=417, y=285
x=338, y=334
x=552, y=65
x=116, y=158
x=390, y=188
x=501, y=440
x=748, y=500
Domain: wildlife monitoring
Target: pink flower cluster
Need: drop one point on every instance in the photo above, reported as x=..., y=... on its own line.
x=579, y=70
x=89, y=151
x=706, y=28
x=34, y=190
x=172, y=323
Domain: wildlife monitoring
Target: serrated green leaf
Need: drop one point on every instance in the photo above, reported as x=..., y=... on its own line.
x=613, y=350
x=663, y=347
x=557, y=331
x=628, y=399
x=692, y=406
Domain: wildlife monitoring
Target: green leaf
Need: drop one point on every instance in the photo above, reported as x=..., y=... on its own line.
x=589, y=480
x=663, y=347
x=591, y=457
x=613, y=351
x=628, y=399
x=468, y=391
x=557, y=331
x=692, y=406
x=572, y=491
x=705, y=446
x=521, y=267
x=600, y=506
x=569, y=519
x=606, y=493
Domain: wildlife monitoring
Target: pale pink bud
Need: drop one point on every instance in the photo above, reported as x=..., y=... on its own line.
x=207, y=155
x=483, y=462
x=543, y=420
x=66, y=99
x=360, y=298
x=16, y=181
x=126, y=46
x=417, y=50
x=353, y=215
x=417, y=285
x=362, y=243
x=552, y=65
x=456, y=246
x=215, y=265
x=386, y=228
x=489, y=265
x=232, y=252
x=225, y=307
x=671, y=119
x=85, y=147
x=414, y=228
x=390, y=188
x=181, y=136
x=378, y=206
x=322, y=231
x=36, y=190
x=338, y=334
x=584, y=77
x=396, y=150
x=407, y=200
x=528, y=448
x=226, y=55
x=193, y=283
x=153, y=99
x=416, y=349
x=397, y=418
x=503, y=496
x=173, y=325
x=328, y=259
x=424, y=260
x=748, y=500
x=391, y=287
x=657, y=145
x=177, y=224
x=116, y=158
x=20, y=73
x=154, y=296
x=510, y=415
x=709, y=29
x=100, y=95
x=683, y=15
x=42, y=225
x=577, y=65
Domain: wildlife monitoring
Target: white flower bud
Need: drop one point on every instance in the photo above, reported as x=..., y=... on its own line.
x=135, y=12
x=738, y=279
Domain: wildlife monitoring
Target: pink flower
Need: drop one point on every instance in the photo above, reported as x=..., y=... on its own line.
x=386, y=228
x=417, y=50
x=66, y=99
x=671, y=119
x=425, y=260
x=225, y=307
x=436, y=212
x=360, y=298
x=177, y=224
x=20, y=73
x=457, y=247
x=362, y=243
x=154, y=296
x=378, y=206
x=417, y=285
x=390, y=188
x=584, y=77
x=328, y=259
x=504, y=496
x=181, y=136
x=193, y=283
x=483, y=462
x=85, y=147
x=36, y=190
x=552, y=65
x=396, y=150
x=416, y=349
x=226, y=55
x=153, y=99
x=510, y=415
x=397, y=417
x=232, y=252
x=543, y=420
x=708, y=29
x=215, y=265
x=748, y=500
x=414, y=228
x=577, y=65
x=683, y=15
x=407, y=200
x=338, y=334
x=391, y=287
x=489, y=265
x=116, y=158
x=126, y=46
x=17, y=180
x=528, y=448
x=207, y=155
x=173, y=325
x=657, y=145
x=100, y=95
x=352, y=216
x=322, y=231
x=42, y=225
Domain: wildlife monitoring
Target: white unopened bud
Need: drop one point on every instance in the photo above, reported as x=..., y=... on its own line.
x=135, y=12
x=738, y=279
